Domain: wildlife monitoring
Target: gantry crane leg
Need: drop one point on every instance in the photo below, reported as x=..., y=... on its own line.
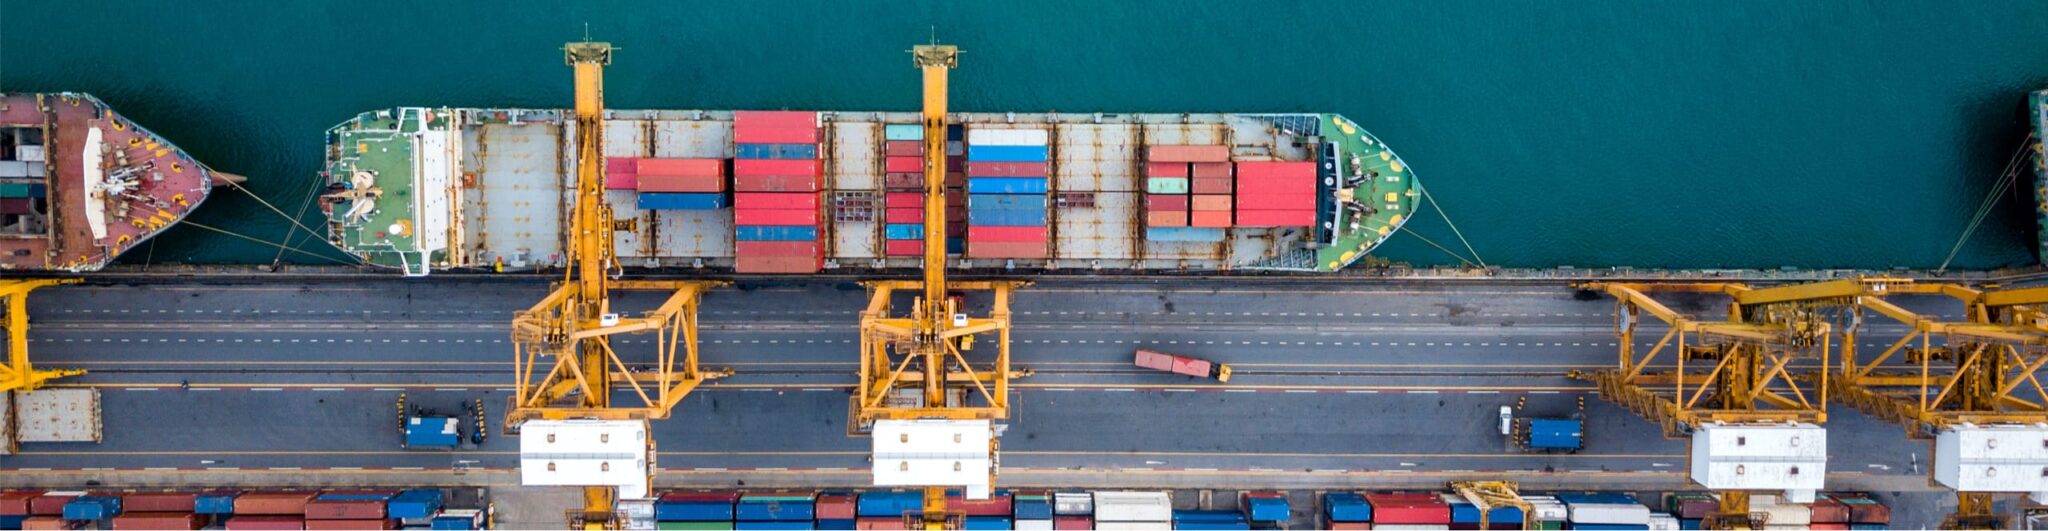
x=19, y=373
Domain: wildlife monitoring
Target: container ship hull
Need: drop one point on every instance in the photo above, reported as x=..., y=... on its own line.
x=80, y=184
x=780, y=192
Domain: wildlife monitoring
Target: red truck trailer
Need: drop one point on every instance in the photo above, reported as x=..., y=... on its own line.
x=1199, y=368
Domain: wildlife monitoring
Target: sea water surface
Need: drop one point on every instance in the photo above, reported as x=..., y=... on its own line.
x=1678, y=133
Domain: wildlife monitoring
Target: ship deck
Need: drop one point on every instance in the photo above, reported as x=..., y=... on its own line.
x=158, y=184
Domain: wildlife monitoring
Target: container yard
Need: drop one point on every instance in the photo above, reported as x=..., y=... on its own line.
x=567, y=315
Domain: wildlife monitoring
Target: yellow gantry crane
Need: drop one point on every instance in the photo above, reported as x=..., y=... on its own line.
x=1727, y=384
x=18, y=374
x=1488, y=495
x=927, y=407
x=1969, y=385
x=571, y=431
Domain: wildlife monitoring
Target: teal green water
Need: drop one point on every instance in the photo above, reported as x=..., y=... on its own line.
x=1717, y=133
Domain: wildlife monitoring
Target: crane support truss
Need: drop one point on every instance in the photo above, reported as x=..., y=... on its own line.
x=1488, y=495
x=891, y=345
x=18, y=374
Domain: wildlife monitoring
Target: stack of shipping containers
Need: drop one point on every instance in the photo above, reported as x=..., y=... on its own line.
x=341, y=509
x=1605, y=511
x=669, y=184
x=1276, y=194
x=1409, y=511
x=1033, y=511
x=1466, y=515
x=1187, y=192
x=1345, y=511
x=777, y=510
x=903, y=189
x=1547, y=512
x=885, y=509
x=1864, y=513
x=776, y=185
x=696, y=510
x=1006, y=193
x=1073, y=511
x=1133, y=510
x=269, y=510
x=18, y=198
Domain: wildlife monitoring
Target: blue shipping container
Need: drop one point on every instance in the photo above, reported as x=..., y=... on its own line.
x=12, y=521
x=1466, y=513
x=1006, y=153
x=1006, y=185
x=1184, y=234
x=1005, y=218
x=1207, y=516
x=773, y=233
x=795, y=524
x=454, y=522
x=1031, y=510
x=1346, y=507
x=693, y=511
x=882, y=503
x=92, y=508
x=223, y=503
x=777, y=151
x=682, y=201
x=775, y=510
x=414, y=503
x=995, y=523
x=1555, y=433
x=1006, y=201
x=1694, y=523
x=1852, y=527
x=903, y=231
x=1596, y=497
x=847, y=525
x=1266, y=509
x=903, y=132
x=956, y=245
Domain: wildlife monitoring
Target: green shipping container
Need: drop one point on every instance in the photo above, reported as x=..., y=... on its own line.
x=1546, y=525
x=694, y=526
x=903, y=132
x=13, y=190
x=1166, y=185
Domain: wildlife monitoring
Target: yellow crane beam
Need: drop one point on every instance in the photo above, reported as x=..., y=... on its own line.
x=1487, y=495
x=18, y=373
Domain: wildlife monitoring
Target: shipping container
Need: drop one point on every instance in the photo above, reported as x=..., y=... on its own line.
x=1345, y=507
x=1212, y=203
x=1210, y=170
x=153, y=502
x=775, y=168
x=1605, y=527
x=1187, y=153
x=1202, y=218
x=903, y=215
x=903, y=247
x=1132, y=506
x=1608, y=513
x=760, y=152
x=416, y=503
x=620, y=173
x=1166, y=185
x=774, y=183
x=903, y=231
x=997, y=504
x=1032, y=509
x=1863, y=509
x=1007, y=234
x=1033, y=202
x=782, y=508
x=777, y=264
x=775, y=233
x=679, y=183
x=1167, y=202
x=1248, y=171
x=903, y=200
x=835, y=506
x=903, y=148
x=1006, y=153
x=1006, y=169
x=92, y=507
x=46, y=522
x=1691, y=506
x=680, y=167
x=996, y=523
x=12, y=521
x=896, y=132
x=838, y=523
x=52, y=503
x=750, y=119
x=1394, y=509
x=680, y=201
x=272, y=503
x=1005, y=218
x=1265, y=506
x=459, y=519
x=1184, y=234
x=1166, y=218
x=1349, y=526
x=622, y=181
x=694, y=526
x=265, y=523
x=888, y=503
x=693, y=510
x=881, y=523
x=775, y=135
x=1006, y=185
x=1027, y=250
x=790, y=248
x=15, y=502
x=1166, y=169
x=215, y=503
x=1073, y=504
x=1276, y=202
x=312, y=524
x=775, y=201
x=1006, y=137
x=767, y=525
x=1275, y=218
x=1201, y=185
x=1463, y=512
x=332, y=509
x=158, y=520
x=776, y=217
x=1073, y=522
x=903, y=164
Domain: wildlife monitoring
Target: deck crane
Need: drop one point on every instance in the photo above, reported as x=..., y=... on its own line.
x=1968, y=385
x=572, y=432
x=17, y=374
x=1489, y=495
x=1753, y=428
x=929, y=410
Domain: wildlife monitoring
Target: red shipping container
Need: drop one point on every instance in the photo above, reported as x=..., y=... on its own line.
x=775, y=135
x=903, y=200
x=1836, y=526
x=1350, y=526
x=956, y=179
x=265, y=523
x=1212, y=203
x=1173, y=153
x=351, y=524
x=690, y=167
x=774, y=119
x=775, y=168
x=1166, y=218
x=1033, y=250
x=1409, y=509
x=1166, y=202
x=1006, y=169
x=881, y=523
x=49, y=504
x=15, y=502
x=903, y=215
x=956, y=163
x=1278, y=185
x=1826, y=510
x=680, y=183
x=903, y=181
x=1209, y=170
x=344, y=509
x=956, y=197
x=156, y=502
x=777, y=183
x=47, y=522
x=1209, y=185
x=1264, y=169
x=995, y=505
x=621, y=181
x=757, y=201
x=801, y=249
x=903, y=148
x=154, y=520
x=619, y=172
x=903, y=247
x=778, y=264
x=835, y=507
x=1073, y=523
x=1276, y=218
x=1209, y=218
x=777, y=217
x=903, y=164
x=1166, y=169
x=1006, y=234
x=727, y=497
x=292, y=503
x=1276, y=202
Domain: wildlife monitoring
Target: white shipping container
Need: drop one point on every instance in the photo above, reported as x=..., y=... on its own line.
x=1610, y=513
x=1128, y=506
x=1005, y=137
x=29, y=153
x=1034, y=525
x=13, y=168
x=1663, y=522
x=1548, y=510
x=57, y=415
x=1073, y=504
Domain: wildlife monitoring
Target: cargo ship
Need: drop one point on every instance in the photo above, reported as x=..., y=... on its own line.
x=80, y=184
x=786, y=192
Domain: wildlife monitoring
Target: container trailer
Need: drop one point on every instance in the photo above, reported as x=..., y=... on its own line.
x=1182, y=365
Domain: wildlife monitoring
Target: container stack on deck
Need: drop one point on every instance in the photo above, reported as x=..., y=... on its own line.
x=1276, y=194
x=903, y=184
x=776, y=188
x=1409, y=511
x=1187, y=192
x=672, y=184
x=1133, y=510
x=340, y=509
x=17, y=197
x=1605, y=510
x=1465, y=515
x=1006, y=187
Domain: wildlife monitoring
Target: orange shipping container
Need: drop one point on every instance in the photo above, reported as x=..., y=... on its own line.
x=46, y=523
x=16, y=502
x=1212, y=203
x=351, y=524
x=1005, y=249
x=1166, y=218
x=156, y=520
x=903, y=148
x=1209, y=185
x=680, y=183
x=293, y=503
x=1202, y=218
x=1211, y=170
x=879, y=523
x=1172, y=153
